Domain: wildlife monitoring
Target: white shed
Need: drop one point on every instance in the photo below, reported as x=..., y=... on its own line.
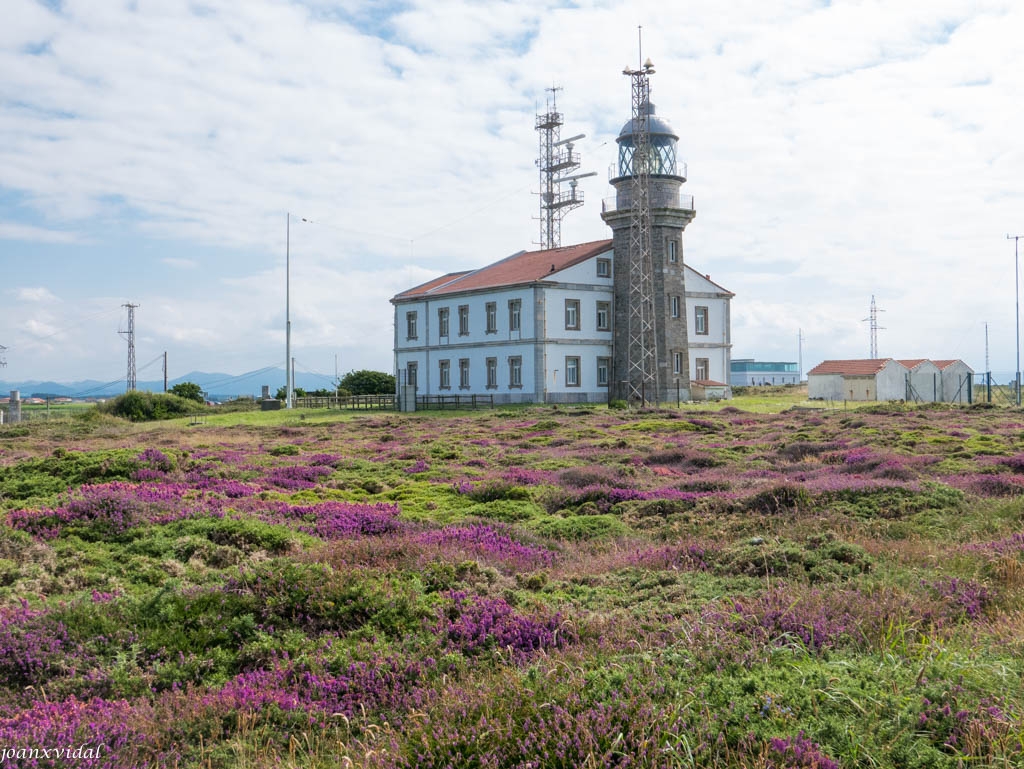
x=872, y=379
x=923, y=380
x=957, y=378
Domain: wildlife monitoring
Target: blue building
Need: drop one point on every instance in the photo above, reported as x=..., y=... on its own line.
x=747, y=372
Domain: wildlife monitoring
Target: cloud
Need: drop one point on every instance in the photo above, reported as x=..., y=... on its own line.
x=835, y=151
x=181, y=264
x=37, y=294
x=32, y=234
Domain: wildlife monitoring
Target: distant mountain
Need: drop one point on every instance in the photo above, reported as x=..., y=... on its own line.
x=218, y=385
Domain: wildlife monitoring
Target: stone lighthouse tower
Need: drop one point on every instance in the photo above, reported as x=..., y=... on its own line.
x=650, y=358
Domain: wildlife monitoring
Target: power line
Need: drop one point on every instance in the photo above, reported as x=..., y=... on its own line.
x=313, y=372
x=257, y=372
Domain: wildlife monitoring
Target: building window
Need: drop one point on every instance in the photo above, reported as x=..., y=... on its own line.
x=673, y=251
x=492, y=373
x=604, y=314
x=677, y=363
x=463, y=320
x=702, y=368
x=675, y=306
x=442, y=321
x=410, y=374
x=444, y=374
x=463, y=373
x=700, y=320
x=603, y=366
x=492, y=317
x=410, y=325
x=572, y=314
x=604, y=268
x=515, y=307
x=572, y=371
x=515, y=371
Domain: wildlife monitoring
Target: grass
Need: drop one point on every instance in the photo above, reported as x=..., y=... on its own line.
x=729, y=585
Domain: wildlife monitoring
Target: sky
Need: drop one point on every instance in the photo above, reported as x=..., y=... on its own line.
x=152, y=152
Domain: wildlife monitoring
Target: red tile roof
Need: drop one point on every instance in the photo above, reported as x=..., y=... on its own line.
x=524, y=267
x=432, y=284
x=944, y=364
x=864, y=367
x=914, y=363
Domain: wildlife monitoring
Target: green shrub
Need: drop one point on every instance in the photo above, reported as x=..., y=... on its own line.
x=505, y=510
x=495, y=490
x=46, y=476
x=287, y=450
x=138, y=406
x=779, y=499
x=578, y=528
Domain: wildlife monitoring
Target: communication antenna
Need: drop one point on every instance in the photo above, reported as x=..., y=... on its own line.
x=875, y=328
x=642, y=351
x=3, y=360
x=556, y=162
x=129, y=335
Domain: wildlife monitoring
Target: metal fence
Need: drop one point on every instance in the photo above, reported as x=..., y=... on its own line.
x=437, y=402
x=352, y=402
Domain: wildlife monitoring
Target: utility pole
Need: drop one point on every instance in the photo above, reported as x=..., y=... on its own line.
x=129, y=335
x=875, y=328
x=1016, y=285
x=800, y=355
x=287, y=310
x=987, y=369
x=165, y=370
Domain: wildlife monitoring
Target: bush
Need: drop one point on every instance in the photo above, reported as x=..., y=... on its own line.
x=368, y=382
x=783, y=498
x=137, y=406
x=581, y=527
x=189, y=391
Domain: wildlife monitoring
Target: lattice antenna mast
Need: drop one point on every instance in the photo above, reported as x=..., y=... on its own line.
x=3, y=360
x=875, y=328
x=642, y=352
x=556, y=161
x=129, y=335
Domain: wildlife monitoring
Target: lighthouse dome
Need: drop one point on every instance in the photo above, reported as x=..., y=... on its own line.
x=663, y=146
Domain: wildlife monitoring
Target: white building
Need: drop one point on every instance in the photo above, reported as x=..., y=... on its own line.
x=537, y=327
x=873, y=379
x=885, y=379
x=957, y=381
x=923, y=380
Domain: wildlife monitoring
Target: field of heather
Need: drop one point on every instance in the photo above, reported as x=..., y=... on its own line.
x=516, y=588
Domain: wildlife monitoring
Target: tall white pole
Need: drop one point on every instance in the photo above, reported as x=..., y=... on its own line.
x=1016, y=283
x=800, y=355
x=287, y=311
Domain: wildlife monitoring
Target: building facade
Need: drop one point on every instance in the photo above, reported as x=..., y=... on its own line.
x=554, y=325
x=747, y=372
x=539, y=327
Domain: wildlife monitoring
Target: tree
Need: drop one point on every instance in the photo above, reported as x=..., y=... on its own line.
x=282, y=393
x=366, y=382
x=189, y=390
